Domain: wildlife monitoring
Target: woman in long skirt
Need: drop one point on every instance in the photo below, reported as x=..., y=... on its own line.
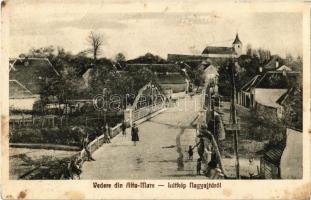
x=135, y=136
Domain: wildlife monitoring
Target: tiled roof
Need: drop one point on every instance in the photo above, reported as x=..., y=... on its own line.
x=284, y=96
x=171, y=78
x=183, y=57
x=154, y=67
x=31, y=72
x=247, y=87
x=277, y=80
x=218, y=50
x=274, y=155
x=269, y=97
x=271, y=65
x=17, y=90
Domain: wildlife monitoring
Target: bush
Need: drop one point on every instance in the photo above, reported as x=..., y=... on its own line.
x=63, y=136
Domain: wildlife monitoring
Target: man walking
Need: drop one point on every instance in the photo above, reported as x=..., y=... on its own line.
x=135, y=136
x=123, y=127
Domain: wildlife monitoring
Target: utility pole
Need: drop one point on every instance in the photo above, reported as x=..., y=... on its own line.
x=234, y=120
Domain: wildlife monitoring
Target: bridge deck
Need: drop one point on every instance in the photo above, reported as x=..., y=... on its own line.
x=155, y=155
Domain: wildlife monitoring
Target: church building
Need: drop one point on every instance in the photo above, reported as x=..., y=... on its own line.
x=233, y=51
x=224, y=52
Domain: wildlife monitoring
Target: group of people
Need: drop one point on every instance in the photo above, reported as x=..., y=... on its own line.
x=211, y=169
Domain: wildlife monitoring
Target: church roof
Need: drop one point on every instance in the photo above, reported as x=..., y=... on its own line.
x=218, y=50
x=237, y=40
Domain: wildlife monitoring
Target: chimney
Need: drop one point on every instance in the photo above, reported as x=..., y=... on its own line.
x=276, y=64
x=260, y=69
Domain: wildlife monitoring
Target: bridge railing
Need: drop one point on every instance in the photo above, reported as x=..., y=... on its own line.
x=99, y=141
x=145, y=111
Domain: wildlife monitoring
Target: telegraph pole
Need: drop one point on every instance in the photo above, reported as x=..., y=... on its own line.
x=235, y=121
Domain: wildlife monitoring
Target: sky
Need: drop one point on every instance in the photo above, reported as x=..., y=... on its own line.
x=159, y=27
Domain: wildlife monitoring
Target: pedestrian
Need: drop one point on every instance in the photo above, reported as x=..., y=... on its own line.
x=135, y=136
x=212, y=165
x=251, y=168
x=190, y=153
x=199, y=166
x=201, y=148
x=86, y=148
x=106, y=134
x=74, y=168
x=123, y=127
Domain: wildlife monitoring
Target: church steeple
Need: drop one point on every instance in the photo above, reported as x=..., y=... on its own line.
x=237, y=45
x=237, y=40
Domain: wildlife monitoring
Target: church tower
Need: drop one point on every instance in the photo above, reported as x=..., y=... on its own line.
x=237, y=45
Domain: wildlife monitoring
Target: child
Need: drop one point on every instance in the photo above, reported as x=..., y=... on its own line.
x=251, y=168
x=199, y=166
x=190, y=152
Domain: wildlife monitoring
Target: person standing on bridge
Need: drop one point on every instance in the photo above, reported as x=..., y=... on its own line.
x=123, y=127
x=85, y=144
x=135, y=136
x=107, y=134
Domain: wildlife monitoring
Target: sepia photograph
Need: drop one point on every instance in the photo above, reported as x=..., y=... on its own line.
x=137, y=90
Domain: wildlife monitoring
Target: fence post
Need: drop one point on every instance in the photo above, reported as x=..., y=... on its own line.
x=53, y=122
x=61, y=121
x=23, y=119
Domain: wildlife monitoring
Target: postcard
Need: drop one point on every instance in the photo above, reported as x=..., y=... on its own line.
x=124, y=99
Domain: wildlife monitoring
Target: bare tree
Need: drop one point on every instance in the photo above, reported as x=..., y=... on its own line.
x=95, y=40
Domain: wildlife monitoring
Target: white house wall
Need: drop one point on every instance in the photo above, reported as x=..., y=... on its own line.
x=22, y=104
x=268, y=97
x=291, y=161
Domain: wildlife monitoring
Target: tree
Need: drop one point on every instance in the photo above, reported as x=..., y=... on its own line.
x=95, y=41
x=249, y=50
x=120, y=57
x=148, y=58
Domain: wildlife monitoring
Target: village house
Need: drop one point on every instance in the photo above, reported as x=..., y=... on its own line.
x=275, y=64
x=284, y=68
x=270, y=162
x=283, y=160
x=291, y=161
x=175, y=82
x=32, y=73
x=263, y=92
x=245, y=95
x=27, y=79
x=210, y=73
x=169, y=76
x=20, y=98
x=271, y=87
